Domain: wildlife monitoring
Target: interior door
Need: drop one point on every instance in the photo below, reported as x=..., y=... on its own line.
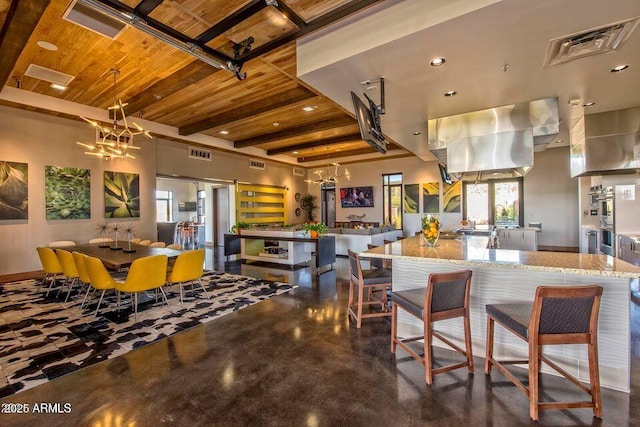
x=329, y=206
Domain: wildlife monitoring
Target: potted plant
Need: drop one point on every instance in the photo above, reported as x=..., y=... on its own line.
x=239, y=226
x=315, y=229
x=308, y=204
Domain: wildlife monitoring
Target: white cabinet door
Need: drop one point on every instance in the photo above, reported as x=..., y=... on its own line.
x=528, y=240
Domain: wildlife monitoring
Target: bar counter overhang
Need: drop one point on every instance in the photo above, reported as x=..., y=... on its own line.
x=503, y=276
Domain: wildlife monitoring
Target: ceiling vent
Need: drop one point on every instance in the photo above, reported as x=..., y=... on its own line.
x=89, y=18
x=255, y=164
x=592, y=42
x=48, y=75
x=199, y=153
x=298, y=172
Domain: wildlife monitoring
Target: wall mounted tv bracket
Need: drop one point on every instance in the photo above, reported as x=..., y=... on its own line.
x=371, y=85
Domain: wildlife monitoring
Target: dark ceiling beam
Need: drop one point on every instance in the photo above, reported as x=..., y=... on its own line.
x=145, y=7
x=184, y=77
x=317, y=143
x=297, y=131
x=338, y=154
x=291, y=15
x=273, y=102
x=326, y=19
x=231, y=21
x=22, y=18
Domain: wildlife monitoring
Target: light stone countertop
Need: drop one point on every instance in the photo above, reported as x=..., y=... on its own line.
x=472, y=250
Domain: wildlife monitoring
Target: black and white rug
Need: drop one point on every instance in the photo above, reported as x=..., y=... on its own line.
x=42, y=338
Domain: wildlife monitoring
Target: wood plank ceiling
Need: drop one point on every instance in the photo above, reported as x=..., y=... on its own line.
x=169, y=86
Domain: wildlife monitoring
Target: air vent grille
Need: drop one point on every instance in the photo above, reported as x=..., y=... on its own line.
x=587, y=43
x=48, y=75
x=298, y=172
x=255, y=164
x=89, y=18
x=199, y=153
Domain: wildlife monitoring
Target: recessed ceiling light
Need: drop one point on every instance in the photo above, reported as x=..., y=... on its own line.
x=46, y=45
x=309, y=108
x=450, y=93
x=276, y=124
x=588, y=104
x=57, y=86
x=294, y=152
x=224, y=132
x=619, y=68
x=436, y=62
x=417, y=133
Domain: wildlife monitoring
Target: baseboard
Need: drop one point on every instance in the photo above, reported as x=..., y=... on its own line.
x=573, y=249
x=21, y=276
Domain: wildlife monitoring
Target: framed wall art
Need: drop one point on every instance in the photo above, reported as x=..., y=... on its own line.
x=67, y=193
x=14, y=190
x=121, y=195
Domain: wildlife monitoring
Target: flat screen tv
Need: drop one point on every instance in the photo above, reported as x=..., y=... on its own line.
x=369, y=123
x=356, y=197
x=446, y=178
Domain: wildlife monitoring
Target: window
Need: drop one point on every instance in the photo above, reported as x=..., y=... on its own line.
x=497, y=202
x=164, y=202
x=200, y=203
x=392, y=199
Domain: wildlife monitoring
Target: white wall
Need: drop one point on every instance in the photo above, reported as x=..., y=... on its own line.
x=183, y=191
x=41, y=140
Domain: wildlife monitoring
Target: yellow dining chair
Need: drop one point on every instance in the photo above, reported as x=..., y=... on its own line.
x=83, y=274
x=144, y=274
x=100, y=279
x=144, y=242
x=69, y=269
x=50, y=265
x=158, y=244
x=188, y=268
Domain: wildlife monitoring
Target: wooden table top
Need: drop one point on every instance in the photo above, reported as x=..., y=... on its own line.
x=118, y=259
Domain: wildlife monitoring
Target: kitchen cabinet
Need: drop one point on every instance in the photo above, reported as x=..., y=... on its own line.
x=520, y=239
x=589, y=240
x=629, y=249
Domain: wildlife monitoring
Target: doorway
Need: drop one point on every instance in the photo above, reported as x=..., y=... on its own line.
x=328, y=204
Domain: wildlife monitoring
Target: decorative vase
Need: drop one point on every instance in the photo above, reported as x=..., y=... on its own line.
x=430, y=229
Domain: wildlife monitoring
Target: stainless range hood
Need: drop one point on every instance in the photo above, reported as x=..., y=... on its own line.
x=494, y=143
x=606, y=143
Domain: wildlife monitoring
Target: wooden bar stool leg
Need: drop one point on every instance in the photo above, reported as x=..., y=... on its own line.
x=594, y=378
x=489, y=352
x=467, y=340
x=534, y=371
x=394, y=326
x=428, y=356
x=350, y=297
x=360, y=303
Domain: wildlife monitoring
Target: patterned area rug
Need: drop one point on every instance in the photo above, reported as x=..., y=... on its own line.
x=42, y=338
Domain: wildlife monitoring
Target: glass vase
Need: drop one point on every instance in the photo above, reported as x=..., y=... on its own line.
x=431, y=229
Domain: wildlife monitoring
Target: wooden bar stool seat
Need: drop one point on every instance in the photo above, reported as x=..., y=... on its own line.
x=558, y=315
x=445, y=297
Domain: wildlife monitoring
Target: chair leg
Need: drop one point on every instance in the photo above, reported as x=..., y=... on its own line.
x=181, y=293
x=166, y=300
x=118, y=300
x=203, y=289
x=534, y=370
x=394, y=326
x=99, y=302
x=360, y=305
x=467, y=340
x=350, y=298
x=66, y=280
x=53, y=281
x=489, y=345
x=44, y=280
x=84, y=300
x=594, y=379
x=70, y=288
x=428, y=355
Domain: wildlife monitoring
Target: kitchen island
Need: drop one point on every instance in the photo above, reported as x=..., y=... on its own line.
x=503, y=276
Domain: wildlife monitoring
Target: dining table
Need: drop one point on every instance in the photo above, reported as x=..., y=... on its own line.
x=119, y=258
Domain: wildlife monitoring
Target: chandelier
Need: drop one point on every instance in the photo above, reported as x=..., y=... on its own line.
x=114, y=142
x=329, y=175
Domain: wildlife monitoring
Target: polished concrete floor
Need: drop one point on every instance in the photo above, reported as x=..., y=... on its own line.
x=295, y=360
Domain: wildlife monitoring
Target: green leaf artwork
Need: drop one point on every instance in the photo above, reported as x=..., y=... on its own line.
x=14, y=190
x=431, y=197
x=411, y=198
x=67, y=193
x=121, y=195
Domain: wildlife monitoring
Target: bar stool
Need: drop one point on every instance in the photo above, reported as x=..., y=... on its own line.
x=374, y=280
x=445, y=297
x=558, y=315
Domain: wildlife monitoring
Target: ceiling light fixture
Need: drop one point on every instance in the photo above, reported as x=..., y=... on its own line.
x=276, y=124
x=436, y=62
x=224, y=132
x=57, y=86
x=619, y=68
x=450, y=93
x=417, y=133
x=330, y=174
x=114, y=142
x=588, y=104
x=294, y=152
x=309, y=108
x=47, y=46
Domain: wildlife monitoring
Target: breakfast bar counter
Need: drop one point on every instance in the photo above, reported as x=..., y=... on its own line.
x=504, y=276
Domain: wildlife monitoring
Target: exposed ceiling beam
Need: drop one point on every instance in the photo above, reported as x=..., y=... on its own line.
x=339, y=154
x=291, y=15
x=186, y=76
x=231, y=21
x=316, y=143
x=297, y=131
x=326, y=19
x=262, y=106
x=21, y=20
x=145, y=7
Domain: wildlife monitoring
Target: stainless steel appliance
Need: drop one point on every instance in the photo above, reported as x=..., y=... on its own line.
x=607, y=221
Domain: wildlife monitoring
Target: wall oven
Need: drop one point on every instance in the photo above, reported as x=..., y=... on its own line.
x=607, y=241
x=607, y=207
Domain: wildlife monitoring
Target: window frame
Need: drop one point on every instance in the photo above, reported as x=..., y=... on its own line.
x=492, y=197
x=168, y=200
x=385, y=193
